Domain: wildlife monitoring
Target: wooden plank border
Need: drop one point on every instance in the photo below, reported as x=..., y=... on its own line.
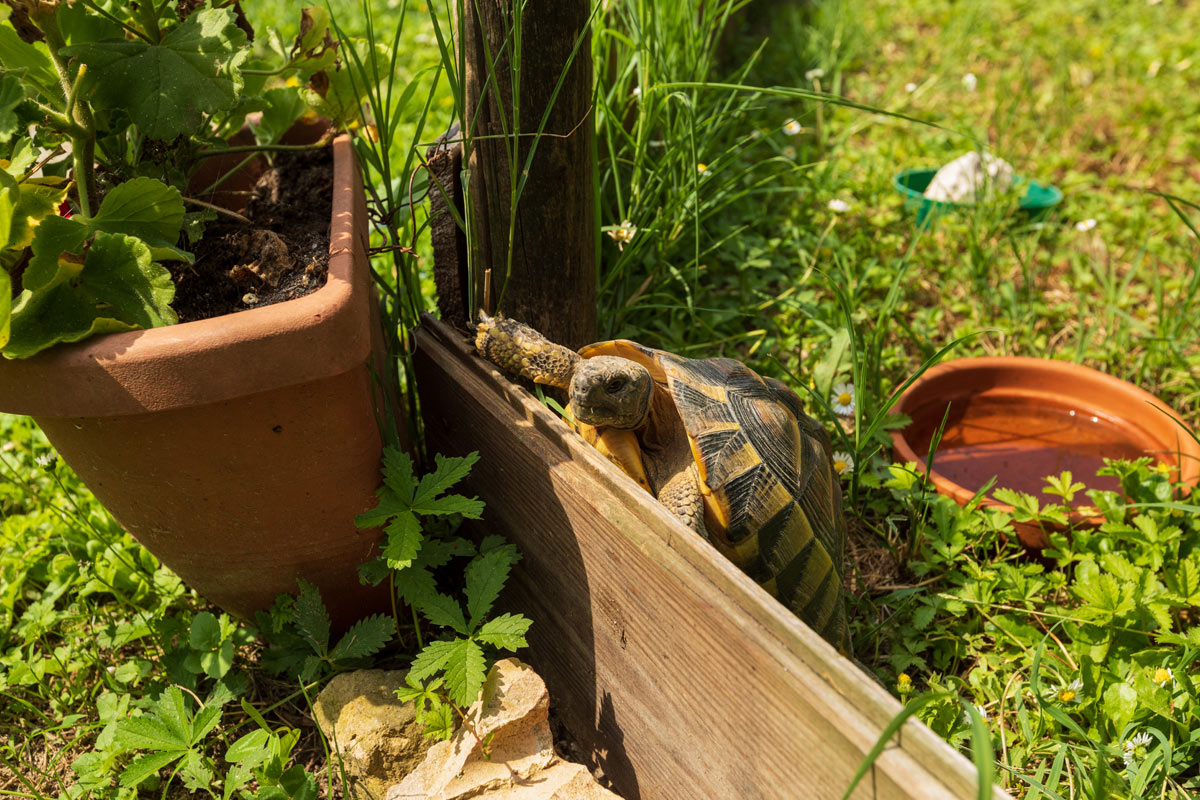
x=680, y=675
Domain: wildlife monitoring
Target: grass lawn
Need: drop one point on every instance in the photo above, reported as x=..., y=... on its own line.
x=763, y=225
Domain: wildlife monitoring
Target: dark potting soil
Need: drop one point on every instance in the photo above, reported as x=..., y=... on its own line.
x=281, y=255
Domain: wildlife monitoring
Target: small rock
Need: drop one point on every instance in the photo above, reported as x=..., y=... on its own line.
x=521, y=763
x=968, y=177
x=378, y=737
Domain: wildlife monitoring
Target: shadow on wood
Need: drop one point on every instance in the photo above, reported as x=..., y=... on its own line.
x=679, y=674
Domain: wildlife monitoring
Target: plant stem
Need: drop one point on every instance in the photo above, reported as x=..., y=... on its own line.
x=82, y=130
x=258, y=148
x=218, y=209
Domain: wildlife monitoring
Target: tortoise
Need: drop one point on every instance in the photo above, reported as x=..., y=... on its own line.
x=731, y=454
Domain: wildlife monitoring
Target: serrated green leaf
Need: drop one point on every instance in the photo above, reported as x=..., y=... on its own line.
x=168, y=88
x=205, y=632
x=485, y=577
x=923, y=616
x=465, y=671
x=506, y=632
x=441, y=609
x=415, y=585
x=438, y=552
x=438, y=722
x=469, y=507
x=403, y=541
x=447, y=472
x=147, y=733
x=311, y=617
x=432, y=659
x=146, y=765
x=172, y=710
x=365, y=637
x=195, y=772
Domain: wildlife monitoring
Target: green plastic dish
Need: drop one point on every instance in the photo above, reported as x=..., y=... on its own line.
x=1037, y=200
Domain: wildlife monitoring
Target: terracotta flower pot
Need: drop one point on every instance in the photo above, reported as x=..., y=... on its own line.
x=1022, y=419
x=236, y=449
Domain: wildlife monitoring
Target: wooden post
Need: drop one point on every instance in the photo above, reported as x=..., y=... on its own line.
x=551, y=283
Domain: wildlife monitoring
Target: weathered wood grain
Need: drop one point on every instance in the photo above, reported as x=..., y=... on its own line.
x=449, y=242
x=679, y=674
x=552, y=281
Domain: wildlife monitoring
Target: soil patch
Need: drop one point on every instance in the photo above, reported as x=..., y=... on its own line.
x=281, y=255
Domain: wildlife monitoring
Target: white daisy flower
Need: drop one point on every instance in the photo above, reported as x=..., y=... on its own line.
x=792, y=128
x=843, y=399
x=843, y=462
x=814, y=74
x=1130, y=748
x=1070, y=692
x=623, y=233
x=789, y=152
x=982, y=712
x=839, y=205
x=1085, y=225
x=910, y=87
x=969, y=81
x=1163, y=676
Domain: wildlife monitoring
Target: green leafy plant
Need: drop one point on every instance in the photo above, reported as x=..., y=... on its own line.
x=262, y=757
x=299, y=629
x=105, y=112
x=448, y=673
x=172, y=735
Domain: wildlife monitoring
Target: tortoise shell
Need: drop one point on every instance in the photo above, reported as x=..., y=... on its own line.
x=772, y=498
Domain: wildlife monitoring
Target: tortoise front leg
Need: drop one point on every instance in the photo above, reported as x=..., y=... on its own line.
x=681, y=495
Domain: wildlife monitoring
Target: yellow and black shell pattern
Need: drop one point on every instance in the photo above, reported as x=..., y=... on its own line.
x=773, y=501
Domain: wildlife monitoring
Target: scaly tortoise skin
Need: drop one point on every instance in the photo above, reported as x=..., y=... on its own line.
x=730, y=453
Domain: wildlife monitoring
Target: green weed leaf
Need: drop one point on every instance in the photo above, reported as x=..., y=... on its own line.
x=311, y=617
x=506, y=632
x=441, y=609
x=465, y=672
x=146, y=765
x=431, y=659
x=365, y=637
x=403, y=541
x=486, y=575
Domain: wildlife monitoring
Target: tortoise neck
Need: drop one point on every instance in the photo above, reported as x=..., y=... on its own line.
x=518, y=348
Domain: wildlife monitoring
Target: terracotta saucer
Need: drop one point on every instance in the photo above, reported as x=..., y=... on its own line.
x=1022, y=419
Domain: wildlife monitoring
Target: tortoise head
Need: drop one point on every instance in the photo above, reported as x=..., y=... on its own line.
x=612, y=392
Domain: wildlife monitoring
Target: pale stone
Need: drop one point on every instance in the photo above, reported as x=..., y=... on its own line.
x=376, y=735
x=521, y=763
x=969, y=177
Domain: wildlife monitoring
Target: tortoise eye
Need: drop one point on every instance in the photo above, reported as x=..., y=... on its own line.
x=615, y=385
